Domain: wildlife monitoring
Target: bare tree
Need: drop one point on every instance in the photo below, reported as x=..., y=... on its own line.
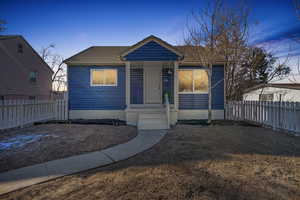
x=233, y=44
x=55, y=61
x=245, y=65
x=218, y=34
x=201, y=41
x=297, y=8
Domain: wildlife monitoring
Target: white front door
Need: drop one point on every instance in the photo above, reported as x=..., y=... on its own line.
x=152, y=84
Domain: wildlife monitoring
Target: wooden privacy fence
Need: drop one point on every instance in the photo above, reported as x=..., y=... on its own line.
x=15, y=113
x=283, y=116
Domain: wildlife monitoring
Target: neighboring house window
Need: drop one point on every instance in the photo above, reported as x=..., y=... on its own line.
x=280, y=97
x=266, y=97
x=31, y=97
x=104, y=77
x=193, y=81
x=33, y=77
x=20, y=48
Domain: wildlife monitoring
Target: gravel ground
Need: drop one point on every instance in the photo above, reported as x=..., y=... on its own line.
x=56, y=141
x=192, y=162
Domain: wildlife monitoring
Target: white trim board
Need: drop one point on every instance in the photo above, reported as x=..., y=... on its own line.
x=199, y=114
x=97, y=114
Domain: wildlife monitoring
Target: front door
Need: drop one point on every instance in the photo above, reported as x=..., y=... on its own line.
x=152, y=84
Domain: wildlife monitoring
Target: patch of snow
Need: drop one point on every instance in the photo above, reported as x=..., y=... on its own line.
x=19, y=141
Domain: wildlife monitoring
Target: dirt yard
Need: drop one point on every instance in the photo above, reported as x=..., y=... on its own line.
x=192, y=162
x=41, y=143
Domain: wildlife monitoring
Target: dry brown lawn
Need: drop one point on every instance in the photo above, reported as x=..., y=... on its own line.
x=61, y=140
x=191, y=162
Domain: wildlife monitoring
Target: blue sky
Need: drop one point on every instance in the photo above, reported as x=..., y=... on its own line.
x=75, y=25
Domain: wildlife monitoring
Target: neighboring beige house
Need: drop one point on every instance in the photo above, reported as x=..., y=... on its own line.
x=24, y=74
x=273, y=92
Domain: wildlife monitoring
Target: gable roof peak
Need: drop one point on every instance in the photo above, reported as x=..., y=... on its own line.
x=155, y=39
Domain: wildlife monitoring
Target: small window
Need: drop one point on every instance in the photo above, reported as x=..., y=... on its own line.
x=31, y=97
x=193, y=81
x=266, y=97
x=104, y=77
x=280, y=97
x=20, y=48
x=33, y=77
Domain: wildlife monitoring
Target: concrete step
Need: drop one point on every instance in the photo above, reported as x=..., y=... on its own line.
x=161, y=126
x=152, y=116
x=154, y=121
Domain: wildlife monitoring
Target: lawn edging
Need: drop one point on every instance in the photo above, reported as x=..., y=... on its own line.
x=39, y=173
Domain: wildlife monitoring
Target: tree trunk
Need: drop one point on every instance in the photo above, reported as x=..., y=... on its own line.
x=209, y=94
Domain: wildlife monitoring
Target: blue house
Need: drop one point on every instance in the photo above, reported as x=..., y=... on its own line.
x=151, y=84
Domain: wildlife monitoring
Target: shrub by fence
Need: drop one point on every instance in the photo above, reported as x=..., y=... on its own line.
x=283, y=116
x=15, y=113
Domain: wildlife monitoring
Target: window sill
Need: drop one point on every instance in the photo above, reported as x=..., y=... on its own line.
x=104, y=85
x=192, y=92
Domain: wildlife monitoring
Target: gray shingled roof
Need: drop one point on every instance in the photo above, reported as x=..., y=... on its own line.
x=112, y=54
x=98, y=54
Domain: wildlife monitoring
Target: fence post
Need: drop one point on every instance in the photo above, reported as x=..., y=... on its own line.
x=294, y=117
x=297, y=116
x=243, y=110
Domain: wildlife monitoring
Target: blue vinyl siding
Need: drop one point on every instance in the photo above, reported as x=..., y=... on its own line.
x=200, y=101
x=151, y=51
x=136, y=86
x=193, y=101
x=168, y=84
x=82, y=96
x=217, y=82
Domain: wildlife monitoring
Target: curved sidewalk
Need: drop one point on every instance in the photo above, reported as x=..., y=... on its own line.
x=26, y=176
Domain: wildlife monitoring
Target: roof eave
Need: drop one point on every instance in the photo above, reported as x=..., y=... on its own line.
x=70, y=58
x=282, y=86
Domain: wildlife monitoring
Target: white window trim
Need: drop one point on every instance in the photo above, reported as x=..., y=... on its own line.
x=102, y=85
x=193, y=92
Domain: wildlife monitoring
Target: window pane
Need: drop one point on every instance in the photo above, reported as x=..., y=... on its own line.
x=266, y=97
x=185, y=81
x=201, y=81
x=33, y=76
x=98, y=77
x=111, y=77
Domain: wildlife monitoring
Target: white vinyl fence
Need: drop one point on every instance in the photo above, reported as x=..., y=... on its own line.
x=15, y=113
x=283, y=116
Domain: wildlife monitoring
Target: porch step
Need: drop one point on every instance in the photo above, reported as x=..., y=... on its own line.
x=152, y=120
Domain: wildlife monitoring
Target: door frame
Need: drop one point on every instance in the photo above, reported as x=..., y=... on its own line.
x=158, y=65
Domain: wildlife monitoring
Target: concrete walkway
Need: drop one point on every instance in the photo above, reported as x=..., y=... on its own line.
x=26, y=176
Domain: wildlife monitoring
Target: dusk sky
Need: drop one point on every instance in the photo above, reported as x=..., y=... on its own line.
x=75, y=25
